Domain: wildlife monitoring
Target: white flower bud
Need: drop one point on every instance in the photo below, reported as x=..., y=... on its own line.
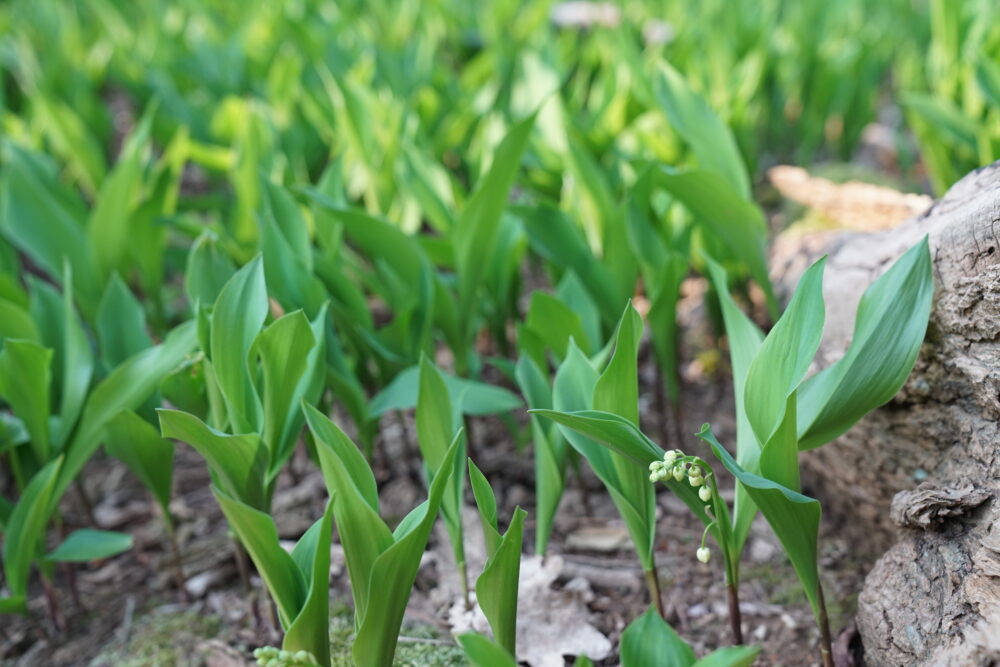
x=705, y=493
x=704, y=554
x=679, y=473
x=695, y=481
x=669, y=458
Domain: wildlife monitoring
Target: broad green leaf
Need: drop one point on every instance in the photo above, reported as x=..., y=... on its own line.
x=435, y=418
x=730, y=656
x=889, y=328
x=124, y=389
x=738, y=222
x=785, y=355
x=351, y=484
x=310, y=631
x=208, y=270
x=744, y=338
x=256, y=531
x=558, y=239
x=16, y=322
x=120, y=324
x=555, y=323
x=26, y=526
x=793, y=517
x=573, y=391
x=691, y=117
x=86, y=545
x=108, y=227
x=44, y=219
x=239, y=462
x=393, y=574
x=136, y=443
x=484, y=652
x=236, y=319
x=649, y=641
x=78, y=365
x=617, y=390
x=25, y=381
x=284, y=348
x=550, y=451
x=475, y=398
x=486, y=503
x=436, y=427
x=476, y=229
x=496, y=588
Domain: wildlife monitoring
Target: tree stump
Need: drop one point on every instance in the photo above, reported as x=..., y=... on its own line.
x=917, y=480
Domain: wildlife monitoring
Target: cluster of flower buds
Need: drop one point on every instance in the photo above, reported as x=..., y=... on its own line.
x=675, y=464
x=680, y=466
x=270, y=656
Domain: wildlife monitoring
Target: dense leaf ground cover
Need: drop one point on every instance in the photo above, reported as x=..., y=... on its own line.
x=323, y=252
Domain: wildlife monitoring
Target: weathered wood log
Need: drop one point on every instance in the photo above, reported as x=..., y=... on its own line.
x=921, y=475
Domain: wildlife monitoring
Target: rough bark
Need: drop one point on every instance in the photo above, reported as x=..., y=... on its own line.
x=920, y=476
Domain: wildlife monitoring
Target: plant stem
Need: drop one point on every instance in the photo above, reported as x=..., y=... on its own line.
x=53, y=603
x=653, y=583
x=735, y=616
x=825, y=648
x=464, y=571
x=177, y=562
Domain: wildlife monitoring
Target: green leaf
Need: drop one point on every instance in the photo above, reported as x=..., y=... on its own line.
x=889, y=328
x=436, y=428
x=475, y=231
x=573, y=391
x=496, y=588
x=550, y=451
x=435, y=418
x=108, y=227
x=78, y=364
x=16, y=322
x=208, y=270
x=484, y=652
x=124, y=389
x=475, y=398
x=649, y=641
x=395, y=570
x=555, y=323
x=691, y=117
x=26, y=526
x=351, y=484
x=237, y=317
x=486, y=503
x=793, y=517
x=785, y=355
x=25, y=383
x=284, y=348
x=120, y=324
x=256, y=531
x=744, y=339
x=44, y=219
x=136, y=443
x=730, y=656
x=238, y=462
x=310, y=631
x=87, y=545
x=738, y=222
